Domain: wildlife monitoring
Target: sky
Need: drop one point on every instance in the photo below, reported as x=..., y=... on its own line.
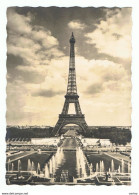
x=38, y=62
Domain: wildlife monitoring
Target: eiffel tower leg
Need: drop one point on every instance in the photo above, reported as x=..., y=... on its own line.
x=66, y=107
x=77, y=108
x=58, y=127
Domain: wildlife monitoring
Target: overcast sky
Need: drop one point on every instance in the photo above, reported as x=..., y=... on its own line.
x=38, y=62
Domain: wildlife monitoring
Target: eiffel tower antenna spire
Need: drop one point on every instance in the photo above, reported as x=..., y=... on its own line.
x=72, y=88
x=71, y=97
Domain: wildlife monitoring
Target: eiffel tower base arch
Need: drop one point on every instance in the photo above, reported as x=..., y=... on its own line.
x=70, y=119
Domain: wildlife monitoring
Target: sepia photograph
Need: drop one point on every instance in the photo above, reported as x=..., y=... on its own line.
x=68, y=96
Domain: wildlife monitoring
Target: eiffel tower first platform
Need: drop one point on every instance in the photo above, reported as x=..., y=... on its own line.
x=71, y=97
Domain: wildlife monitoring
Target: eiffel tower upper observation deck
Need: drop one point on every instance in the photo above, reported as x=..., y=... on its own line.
x=71, y=97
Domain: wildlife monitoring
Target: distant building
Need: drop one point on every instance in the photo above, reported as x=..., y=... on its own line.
x=45, y=141
x=96, y=142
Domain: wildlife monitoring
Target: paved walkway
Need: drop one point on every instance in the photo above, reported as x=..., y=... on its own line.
x=70, y=144
x=19, y=156
x=115, y=157
x=121, y=156
x=71, y=133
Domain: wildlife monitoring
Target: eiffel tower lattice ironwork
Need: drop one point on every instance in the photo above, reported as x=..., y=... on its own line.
x=71, y=97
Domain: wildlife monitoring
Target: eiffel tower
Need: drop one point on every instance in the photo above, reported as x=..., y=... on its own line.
x=71, y=97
